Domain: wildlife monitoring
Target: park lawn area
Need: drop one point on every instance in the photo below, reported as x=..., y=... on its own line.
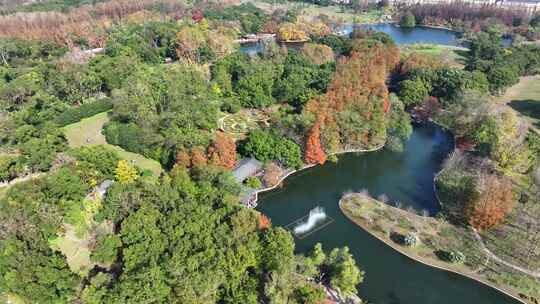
x=88, y=132
x=382, y=220
x=447, y=54
x=79, y=231
x=524, y=98
x=336, y=13
x=75, y=249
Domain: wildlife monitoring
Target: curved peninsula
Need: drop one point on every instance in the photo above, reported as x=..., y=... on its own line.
x=392, y=225
x=405, y=177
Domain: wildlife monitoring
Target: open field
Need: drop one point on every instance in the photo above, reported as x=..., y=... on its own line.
x=386, y=222
x=524, y=97
x=75, y=249
x=311, y=11
x=447, y=54
x=88, y=132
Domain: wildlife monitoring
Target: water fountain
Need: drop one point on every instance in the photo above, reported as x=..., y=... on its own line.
x=316, y=215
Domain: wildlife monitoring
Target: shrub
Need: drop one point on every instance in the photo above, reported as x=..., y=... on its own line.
x=9, y=168
x=253, y=182
x=86, y=110
x=231, y=105
x=267, y=146
x=451, y=256
x=410, y=240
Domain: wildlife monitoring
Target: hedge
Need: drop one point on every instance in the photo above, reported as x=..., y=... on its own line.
x=74, y=115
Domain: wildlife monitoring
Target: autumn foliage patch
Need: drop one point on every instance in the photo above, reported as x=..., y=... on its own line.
x=351, y=114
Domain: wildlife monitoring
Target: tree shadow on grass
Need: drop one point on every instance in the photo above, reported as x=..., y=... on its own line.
x=528, y=107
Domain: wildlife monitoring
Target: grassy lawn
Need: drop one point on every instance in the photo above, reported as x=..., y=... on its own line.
x=88, y=132
x=3, y=191
x=75, y=249
x=524, y=97
x=450, y=55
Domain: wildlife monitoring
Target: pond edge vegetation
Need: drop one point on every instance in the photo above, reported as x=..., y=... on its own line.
x=396, y=247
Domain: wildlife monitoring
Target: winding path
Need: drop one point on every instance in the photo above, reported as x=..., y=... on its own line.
x=20, y=180
x=492, y=256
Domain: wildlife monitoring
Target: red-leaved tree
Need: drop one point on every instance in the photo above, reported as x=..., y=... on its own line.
x=223, y=151
x=314, y=151
x=496, y=200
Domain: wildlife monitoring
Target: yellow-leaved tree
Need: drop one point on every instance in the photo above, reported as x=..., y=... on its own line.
x=125, y=173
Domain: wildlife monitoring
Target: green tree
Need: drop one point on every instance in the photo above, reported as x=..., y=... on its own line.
x=106, y=249
x=343, y=272
x=501, y=77
x=398, y=125
x=413, y=91
x=407, y=20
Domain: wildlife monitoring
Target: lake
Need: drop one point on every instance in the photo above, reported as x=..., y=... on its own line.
x=400, y=35
x=418, y=34
x=407, y=177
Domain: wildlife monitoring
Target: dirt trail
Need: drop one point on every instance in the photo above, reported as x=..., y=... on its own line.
x=492, y=256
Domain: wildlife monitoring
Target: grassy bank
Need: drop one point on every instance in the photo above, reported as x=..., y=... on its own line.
x=88, y=132
x=524, y=98
x=435, y=235
x=451, y=55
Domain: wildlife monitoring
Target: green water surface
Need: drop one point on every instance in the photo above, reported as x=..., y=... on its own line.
x=405, y=177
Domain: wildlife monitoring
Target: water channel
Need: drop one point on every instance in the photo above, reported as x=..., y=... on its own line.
x=406, y=177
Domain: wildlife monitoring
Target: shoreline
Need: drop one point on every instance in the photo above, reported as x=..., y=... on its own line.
x=395, y=247
x=279, y=183
x=421, y=260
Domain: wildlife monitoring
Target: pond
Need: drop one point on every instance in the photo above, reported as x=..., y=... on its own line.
x=400, y=35
x=418, y=34
x=406, y=177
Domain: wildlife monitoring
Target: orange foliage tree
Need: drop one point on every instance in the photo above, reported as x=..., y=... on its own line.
x=419, y=61
x=89, y=22
x=291, y=32
x=264, y=222
x=198, y=157
x=223, y=151
x=495, y=201
x=183, y=159
x=314, y=152
x=351, y=114
x=318, y=53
